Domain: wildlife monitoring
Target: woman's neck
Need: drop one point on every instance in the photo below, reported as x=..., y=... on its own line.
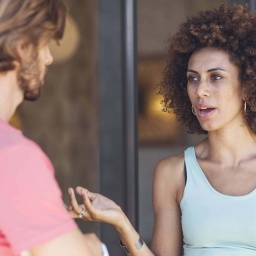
x=229, y=147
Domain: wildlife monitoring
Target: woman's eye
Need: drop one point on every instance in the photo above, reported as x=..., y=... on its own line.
x=192, y=79
x=216, y=77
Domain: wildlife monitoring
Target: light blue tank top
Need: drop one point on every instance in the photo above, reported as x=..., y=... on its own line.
x=215, y=224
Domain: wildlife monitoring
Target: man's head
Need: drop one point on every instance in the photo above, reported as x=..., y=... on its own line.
x=26, y=27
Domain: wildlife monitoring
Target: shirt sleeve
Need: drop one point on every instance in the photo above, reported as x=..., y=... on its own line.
x=32, y=211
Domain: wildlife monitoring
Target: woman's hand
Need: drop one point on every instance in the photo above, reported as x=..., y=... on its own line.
x=95, y=207
x=99, y=208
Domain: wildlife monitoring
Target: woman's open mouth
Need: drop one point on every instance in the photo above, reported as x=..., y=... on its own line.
x=204, y=110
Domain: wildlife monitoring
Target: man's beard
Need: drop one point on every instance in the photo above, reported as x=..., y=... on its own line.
x=30, y=82
x=33, y=94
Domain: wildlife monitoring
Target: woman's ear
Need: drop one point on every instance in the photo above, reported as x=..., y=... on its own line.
x=243, y=94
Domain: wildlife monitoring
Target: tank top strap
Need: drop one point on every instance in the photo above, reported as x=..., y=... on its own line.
x=196, y=180
x=195, y=176
x=192, y=167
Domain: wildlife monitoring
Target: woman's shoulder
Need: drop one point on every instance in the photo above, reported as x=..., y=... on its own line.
x=171, y=165
x=169, y=174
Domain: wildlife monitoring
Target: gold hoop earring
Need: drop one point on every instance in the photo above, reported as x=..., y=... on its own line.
x=193, y=111
x=245, y=107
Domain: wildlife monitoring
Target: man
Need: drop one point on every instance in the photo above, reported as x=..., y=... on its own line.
x=32, y=216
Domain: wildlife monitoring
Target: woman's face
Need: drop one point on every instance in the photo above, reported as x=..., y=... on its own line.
x=214, y=89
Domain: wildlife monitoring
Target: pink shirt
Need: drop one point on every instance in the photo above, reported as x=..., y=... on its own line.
x=31, y=208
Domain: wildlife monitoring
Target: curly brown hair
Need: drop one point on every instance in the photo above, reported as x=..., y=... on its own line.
x=228, y=28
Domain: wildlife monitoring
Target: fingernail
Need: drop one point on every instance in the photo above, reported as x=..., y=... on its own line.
x=69, y=191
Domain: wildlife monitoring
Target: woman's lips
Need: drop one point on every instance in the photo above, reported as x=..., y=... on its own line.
x=205, y=111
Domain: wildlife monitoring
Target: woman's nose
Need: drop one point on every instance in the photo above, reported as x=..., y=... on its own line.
x=203, y=89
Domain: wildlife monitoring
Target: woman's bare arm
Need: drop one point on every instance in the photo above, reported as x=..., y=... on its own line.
x=168, y=187
x=167, y=238
x=102, y=209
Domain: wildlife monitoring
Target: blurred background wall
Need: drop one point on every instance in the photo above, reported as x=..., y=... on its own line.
x=65, y=120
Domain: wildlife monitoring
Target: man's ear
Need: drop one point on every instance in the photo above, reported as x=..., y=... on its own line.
x=23, y=51
x=20, y=51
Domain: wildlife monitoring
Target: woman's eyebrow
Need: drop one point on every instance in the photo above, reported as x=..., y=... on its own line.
x=209, y=70
x=193, y=71
x=215, y=69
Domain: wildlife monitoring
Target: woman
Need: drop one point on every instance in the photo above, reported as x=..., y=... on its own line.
x=207, y=205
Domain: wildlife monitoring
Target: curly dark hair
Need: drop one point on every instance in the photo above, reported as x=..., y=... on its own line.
x=228, y=28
